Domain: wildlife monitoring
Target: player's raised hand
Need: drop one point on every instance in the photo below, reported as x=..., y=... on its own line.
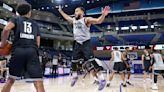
x=106, y=10
x=60, y=8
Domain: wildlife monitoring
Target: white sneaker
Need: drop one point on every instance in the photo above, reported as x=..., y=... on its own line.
x=154, y=87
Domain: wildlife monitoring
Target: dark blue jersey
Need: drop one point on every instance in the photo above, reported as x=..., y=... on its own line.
x=26, y=31
x=147, y=58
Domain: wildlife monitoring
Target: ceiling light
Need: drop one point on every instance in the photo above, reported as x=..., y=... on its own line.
x=66, y=5
x=57, y=6
x=88, y=2
x=58, y=0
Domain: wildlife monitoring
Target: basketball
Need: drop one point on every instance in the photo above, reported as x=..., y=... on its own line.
x=4, y=51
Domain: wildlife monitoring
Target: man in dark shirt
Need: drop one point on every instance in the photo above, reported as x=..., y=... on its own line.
x=127, y=64
x=24, y=55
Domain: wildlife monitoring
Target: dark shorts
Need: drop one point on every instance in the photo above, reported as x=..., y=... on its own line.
x=97, y=66
x=82, y=51
x=25, y=60
x=147, y=65
x=158, y=72
x=128, y=69
x=90, y=65
x=119, y=67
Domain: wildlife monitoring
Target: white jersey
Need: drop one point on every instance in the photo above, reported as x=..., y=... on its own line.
x=55, y=61
x=158, y=65
x=117, y=56
x=80, y=30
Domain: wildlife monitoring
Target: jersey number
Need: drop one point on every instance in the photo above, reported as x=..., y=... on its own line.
x=27, y=27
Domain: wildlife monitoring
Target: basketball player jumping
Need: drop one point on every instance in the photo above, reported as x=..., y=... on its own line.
x=24, y=55
x=117, y=58
x=82, y=45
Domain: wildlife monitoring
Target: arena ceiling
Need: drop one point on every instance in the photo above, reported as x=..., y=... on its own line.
x=68, y=5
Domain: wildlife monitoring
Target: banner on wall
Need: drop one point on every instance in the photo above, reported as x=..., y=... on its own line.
x=122, y=48
x=159, y=47
x=111, y=47
x=99, y=48
x=133, y=55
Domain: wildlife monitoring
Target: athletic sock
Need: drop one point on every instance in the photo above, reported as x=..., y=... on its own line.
x=101, y=76
x=124, y=82
x=95, y=78
x=108, y=82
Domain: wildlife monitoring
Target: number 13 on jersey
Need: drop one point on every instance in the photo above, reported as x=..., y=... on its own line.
x=27, y=27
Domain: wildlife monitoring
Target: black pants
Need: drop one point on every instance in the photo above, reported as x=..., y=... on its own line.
x=156, y=73
x=54, y=68
x=43, y=67
x=81, y=51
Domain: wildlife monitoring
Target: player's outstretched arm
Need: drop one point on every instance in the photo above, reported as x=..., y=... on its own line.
x=142, y=59
x=5, y=33
x=67, y=17
x=100, y=19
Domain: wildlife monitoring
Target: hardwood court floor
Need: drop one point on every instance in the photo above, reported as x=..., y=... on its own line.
x=62, y=84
